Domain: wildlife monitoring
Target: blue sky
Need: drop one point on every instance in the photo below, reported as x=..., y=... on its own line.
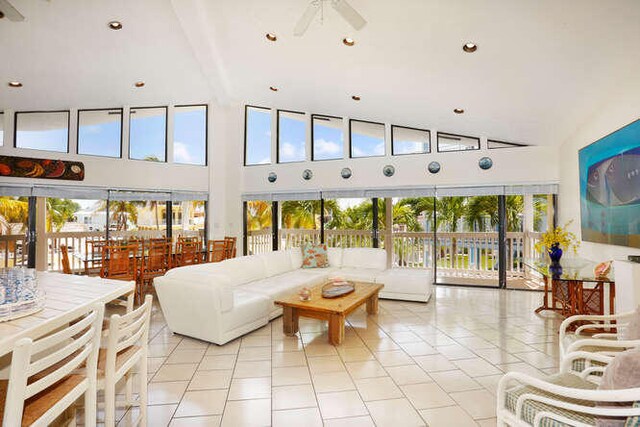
x=147, y=136
x=328, y=141
x=100, y=139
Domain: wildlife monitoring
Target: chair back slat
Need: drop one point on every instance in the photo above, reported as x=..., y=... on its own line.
x=39, y=364
x=119, y=262
x=216, y=250
x=127, y=330
x=230, y=250
x=66, y=265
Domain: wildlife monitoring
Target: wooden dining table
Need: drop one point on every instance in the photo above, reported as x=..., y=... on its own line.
x=66, y=297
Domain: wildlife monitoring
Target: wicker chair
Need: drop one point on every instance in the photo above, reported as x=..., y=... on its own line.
x=154, y=263
x=569, y=398
x=606, y=342
x=188, y=251
x=119, y=262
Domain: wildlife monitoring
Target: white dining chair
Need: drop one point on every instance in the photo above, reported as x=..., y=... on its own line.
x=50, y=373
x=126, y=347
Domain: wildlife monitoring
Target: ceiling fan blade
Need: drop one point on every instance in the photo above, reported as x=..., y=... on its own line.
x=10, y=12
x=349, y=14
x=305, y=20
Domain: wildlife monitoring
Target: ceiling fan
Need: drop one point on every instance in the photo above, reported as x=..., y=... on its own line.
x=11, y=13
x=343, y=8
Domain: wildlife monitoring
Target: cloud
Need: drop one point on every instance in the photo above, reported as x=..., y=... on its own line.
x=289, y=152
x=181, y=153
x=323, y=147
x=408, y=147
x=366, y=151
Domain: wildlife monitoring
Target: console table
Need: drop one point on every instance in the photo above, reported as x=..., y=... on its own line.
x=574, y=288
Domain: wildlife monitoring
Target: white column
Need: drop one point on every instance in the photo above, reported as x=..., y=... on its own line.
x=528, y=225
x=388, y=232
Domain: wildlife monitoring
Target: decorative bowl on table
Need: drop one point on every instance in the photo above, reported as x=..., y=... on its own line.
x=337, y=288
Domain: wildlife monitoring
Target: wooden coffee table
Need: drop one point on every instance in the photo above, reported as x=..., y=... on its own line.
x=334, y=310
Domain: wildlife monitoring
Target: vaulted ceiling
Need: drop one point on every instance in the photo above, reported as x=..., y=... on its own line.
x=542, y=69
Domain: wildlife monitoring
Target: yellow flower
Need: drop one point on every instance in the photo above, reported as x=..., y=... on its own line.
x=560, y=236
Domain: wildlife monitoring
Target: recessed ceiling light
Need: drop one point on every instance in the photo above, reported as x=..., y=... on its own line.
x=115, y=25
x=139, y=84
x=355, y=98
x=458, y=110
x=470, y=47
x=271, y=37
x=273, y=88
x=15, y=84
x=348, y=41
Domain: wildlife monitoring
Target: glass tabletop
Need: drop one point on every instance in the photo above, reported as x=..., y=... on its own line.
x=569, y=269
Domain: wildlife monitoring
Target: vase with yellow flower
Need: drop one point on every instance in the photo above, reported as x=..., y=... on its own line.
x=554, y=240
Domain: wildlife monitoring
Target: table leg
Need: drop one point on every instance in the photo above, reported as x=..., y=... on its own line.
x=545, y=298
x=289, y=321
x=372, y=304
x=336, y=329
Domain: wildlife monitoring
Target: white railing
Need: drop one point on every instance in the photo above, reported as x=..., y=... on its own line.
x=457, y=254
x=13, y=251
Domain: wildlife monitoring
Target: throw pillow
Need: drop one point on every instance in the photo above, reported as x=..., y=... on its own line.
x=314, y=256
x=632, y=330
x=622, y=372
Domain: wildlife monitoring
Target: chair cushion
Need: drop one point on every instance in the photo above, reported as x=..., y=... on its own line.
x=531, y=408
x=121, y=358
x=36, y=406
x=364, y=258
x=277, y=262
x=335, y=257
x=622, y=372
x=632, y=330
x=314, y=256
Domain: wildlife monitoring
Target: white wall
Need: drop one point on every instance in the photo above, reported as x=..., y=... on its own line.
x=520, y=165
x=622, y=109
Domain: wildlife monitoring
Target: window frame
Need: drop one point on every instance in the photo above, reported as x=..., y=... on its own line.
x=410, y=154
x=384, y=139
x=313, y=159
x=458, y=135
x=2, y=127
x=510, y=144
x=246, y=114
x=15, y=129
x=206, y=133
x=166, y=132
x=278, y=136
x=121, y=131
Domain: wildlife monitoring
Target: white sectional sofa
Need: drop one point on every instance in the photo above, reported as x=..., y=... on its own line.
x=218, y=302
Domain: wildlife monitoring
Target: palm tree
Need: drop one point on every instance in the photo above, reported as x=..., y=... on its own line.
x=258, y=215
x=13, y=211
x=121, y=212
x=59, y=211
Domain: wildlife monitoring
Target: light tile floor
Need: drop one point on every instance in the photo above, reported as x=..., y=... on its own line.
x=435, y=364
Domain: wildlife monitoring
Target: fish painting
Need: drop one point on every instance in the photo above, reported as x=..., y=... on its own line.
x=615, y=181
x=610, y=188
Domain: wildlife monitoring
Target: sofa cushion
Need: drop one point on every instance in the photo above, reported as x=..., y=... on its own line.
x=208, y=268
x=244, y=269
x=247, y=307
x=277, y=262
x=631, y=331
x=335, y=257
x=364, y=258
x=357, y=274
x=406, y=281
x=296, y=257
x=272, y=288
x=314, y=256
x=306, y=277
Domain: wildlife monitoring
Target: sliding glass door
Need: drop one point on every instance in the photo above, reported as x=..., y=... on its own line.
x=258, y=226
x=467, y=242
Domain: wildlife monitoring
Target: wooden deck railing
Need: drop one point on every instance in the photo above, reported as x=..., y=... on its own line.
x=457, y=254
x=13, y=251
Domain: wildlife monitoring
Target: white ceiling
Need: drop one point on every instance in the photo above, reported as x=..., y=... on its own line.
x=542, y=68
